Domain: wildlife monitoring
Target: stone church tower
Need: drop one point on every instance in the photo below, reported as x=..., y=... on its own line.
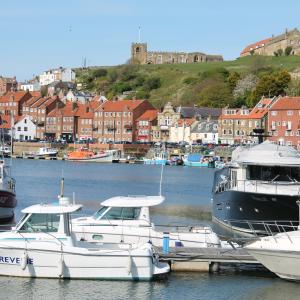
x=139, y=53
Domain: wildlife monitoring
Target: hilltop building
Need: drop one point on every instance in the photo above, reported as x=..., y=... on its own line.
x=7, y=84
x=271, y=45
x=140, y=55
x=60, y=74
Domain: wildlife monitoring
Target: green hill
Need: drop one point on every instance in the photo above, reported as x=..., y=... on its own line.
x=210, y=84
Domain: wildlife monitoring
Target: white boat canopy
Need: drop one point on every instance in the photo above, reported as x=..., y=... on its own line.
x=51, y=209
x=133, y=201
x=266, y=153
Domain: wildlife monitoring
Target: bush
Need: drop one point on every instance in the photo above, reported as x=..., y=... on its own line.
x=99, y=72
x=121, y=87
x=288, y=50
x=152, y=83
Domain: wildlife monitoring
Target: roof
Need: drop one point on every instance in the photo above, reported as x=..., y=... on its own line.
x=268, y=154
x=54, y=208
x=285, y=103
x=203, y=112
x=255, y=45
x=5, y=121
x=205, y=127
x=149, y=115
x=185, y=122
x=133, y=201
x=121, y=105
x=15, y=96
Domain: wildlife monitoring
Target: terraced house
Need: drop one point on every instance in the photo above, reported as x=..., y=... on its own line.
x=236, y=125
x=11, y=103
x=116, y=121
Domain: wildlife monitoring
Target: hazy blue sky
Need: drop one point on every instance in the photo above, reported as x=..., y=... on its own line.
x=37, y=35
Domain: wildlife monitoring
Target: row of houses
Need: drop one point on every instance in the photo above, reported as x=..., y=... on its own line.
x=53, y=118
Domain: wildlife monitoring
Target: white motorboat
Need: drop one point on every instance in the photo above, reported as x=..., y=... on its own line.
x=127, y=219
x=46, y=152
x=43, y=245
x=279, y=253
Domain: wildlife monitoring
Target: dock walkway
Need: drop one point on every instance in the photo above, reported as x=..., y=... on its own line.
x=204, y=259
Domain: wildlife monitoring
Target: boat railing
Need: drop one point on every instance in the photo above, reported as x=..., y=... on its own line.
x=256, y=229
x=258, y=186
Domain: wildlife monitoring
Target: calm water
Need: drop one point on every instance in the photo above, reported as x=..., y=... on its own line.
x=187, y=192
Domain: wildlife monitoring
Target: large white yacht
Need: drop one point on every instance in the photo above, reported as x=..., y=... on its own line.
x=127, y=219
x=262, y=183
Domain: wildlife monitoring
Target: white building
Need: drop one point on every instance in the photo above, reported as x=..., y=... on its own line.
x=180, y=131
x=205, y=132
x=30, y=86
x=60, y=74
x=24, y=129
x=80, y=96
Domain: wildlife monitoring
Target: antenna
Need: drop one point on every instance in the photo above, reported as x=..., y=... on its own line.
x=161, y=177
x=139, y=34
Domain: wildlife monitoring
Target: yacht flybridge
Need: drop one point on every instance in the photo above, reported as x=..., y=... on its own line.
x=262, y=183
x=43, y=245
x=127, y=219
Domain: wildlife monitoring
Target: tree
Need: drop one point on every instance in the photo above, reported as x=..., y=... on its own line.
x=252, y=52
x=288, y=50
x=152, y=83
x=280, y=52
x=258, y=64
x=271, y=85
x=233, y=79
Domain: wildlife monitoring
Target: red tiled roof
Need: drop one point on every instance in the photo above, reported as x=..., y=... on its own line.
x=36, y=94
x=285, y=103
x=17, y=96
x=255, y=45
x=148, y=115
x=121, y=105
x=5, y=121
x=30, y=101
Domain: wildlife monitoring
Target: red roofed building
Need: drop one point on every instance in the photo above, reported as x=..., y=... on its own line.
x=38, y=108
x=236, y=124
x=284, y=121
x=144, y=124
x=12, y=102
x=115, y=121
x=257, y=48
x=7, y=84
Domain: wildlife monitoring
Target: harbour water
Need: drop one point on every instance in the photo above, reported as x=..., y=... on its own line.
x=187, y=192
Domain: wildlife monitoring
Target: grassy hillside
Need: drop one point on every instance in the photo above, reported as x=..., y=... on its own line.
x=179, y=83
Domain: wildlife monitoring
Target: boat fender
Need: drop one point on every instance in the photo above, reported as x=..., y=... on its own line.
x=24, y=260
x=60, y=266
x=129, y=263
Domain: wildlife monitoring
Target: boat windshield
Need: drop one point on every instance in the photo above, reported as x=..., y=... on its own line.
x=41, y=223
x=121, y=213
x=100, y=212
x=273, y=173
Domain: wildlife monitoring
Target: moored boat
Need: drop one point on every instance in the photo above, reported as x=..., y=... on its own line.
x=261, y=183
x=8, y=199
x=87, y=155
x=46, y=152
x=127, y=219
x=42, y=245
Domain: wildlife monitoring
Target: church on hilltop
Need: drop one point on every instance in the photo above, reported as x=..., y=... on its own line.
x=287, y=43
x=140, y=55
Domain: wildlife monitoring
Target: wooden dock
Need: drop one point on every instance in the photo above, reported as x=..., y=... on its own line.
x=204, y=259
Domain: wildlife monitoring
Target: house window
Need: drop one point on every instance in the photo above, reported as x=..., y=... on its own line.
x=25, y=128
x=25, y=121
x=274, y=113
x=289, y=112
x=19, y=128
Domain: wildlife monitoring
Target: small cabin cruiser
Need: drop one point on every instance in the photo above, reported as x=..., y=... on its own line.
x=43, y=245
x=46, y=152
x=86, y=155
x=127, y=219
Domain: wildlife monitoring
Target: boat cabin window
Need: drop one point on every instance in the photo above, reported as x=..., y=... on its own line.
x=122, y=213
x=41, y=223
x=98, y=213
x=276, y=173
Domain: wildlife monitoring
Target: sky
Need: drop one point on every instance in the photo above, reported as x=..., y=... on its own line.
x=38, y=35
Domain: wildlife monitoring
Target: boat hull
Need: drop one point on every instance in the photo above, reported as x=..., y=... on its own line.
x=155, y=161
x=232, y=209
x=285, y=264
x=78, y=263
x=8, y=202
x=194, y=164
x=200, y=238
